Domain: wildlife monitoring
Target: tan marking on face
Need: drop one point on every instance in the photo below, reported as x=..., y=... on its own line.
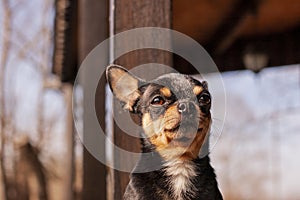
x=164, y=147
x=194, y=148
x=161, y=141
x=159, y=136
x=172, y=117
x=147, y=125
x=166, y=92
x=169, y=149
x=197, y=90
x=160, y=133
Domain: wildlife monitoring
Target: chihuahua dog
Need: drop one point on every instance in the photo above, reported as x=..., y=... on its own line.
x=174, y=112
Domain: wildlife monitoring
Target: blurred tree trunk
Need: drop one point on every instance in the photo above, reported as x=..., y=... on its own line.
x=31, y=174
x=6, y=46
x=92, y=30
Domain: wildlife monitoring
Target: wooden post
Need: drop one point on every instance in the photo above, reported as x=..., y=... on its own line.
x=93, y=29
x=68, y=162
x=132, y=14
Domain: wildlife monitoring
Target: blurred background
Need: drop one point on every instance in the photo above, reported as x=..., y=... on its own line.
x=255, y=44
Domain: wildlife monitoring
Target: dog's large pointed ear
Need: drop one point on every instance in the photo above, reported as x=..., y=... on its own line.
x=124, y=85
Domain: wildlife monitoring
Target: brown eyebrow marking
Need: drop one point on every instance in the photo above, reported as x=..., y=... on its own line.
x=166, y=91
x=197, y=90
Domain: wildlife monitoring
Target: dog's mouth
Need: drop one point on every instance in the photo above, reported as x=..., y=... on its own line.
x=183, y=129
x=184, y=135
x=190, y=128
x=183, y=139
x=174, y=129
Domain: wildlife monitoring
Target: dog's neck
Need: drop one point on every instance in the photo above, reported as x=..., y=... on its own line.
x=180, y=173
x=178, y=179
x=173, y=179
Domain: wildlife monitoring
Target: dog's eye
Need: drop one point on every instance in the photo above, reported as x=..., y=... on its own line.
x=158, y=101
x=204, y=98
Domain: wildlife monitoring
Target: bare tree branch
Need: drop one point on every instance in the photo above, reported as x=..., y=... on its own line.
x=44, y=69
x=3, y=65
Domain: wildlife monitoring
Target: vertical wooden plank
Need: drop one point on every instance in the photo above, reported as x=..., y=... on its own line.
x=65, y=56
x=68, y=162
x=133, y=14
x=93, y=23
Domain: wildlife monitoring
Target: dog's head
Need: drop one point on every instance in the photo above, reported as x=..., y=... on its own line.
x=174, y=110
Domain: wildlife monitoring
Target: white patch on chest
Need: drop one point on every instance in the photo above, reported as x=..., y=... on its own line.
x=181, y=174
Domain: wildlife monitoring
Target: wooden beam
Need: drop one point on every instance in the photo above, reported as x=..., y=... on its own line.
x=93, y=23
x=132, y=14
x=229, y=29
x=281, y=49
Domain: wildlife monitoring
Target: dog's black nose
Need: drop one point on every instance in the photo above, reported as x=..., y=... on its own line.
x=182, y=107
x=186, y=107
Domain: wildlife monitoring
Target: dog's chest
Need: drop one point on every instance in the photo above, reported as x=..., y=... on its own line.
x=180, y=175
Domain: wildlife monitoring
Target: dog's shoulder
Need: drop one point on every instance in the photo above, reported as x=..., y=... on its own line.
x=206, y=181
x=147, y=186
